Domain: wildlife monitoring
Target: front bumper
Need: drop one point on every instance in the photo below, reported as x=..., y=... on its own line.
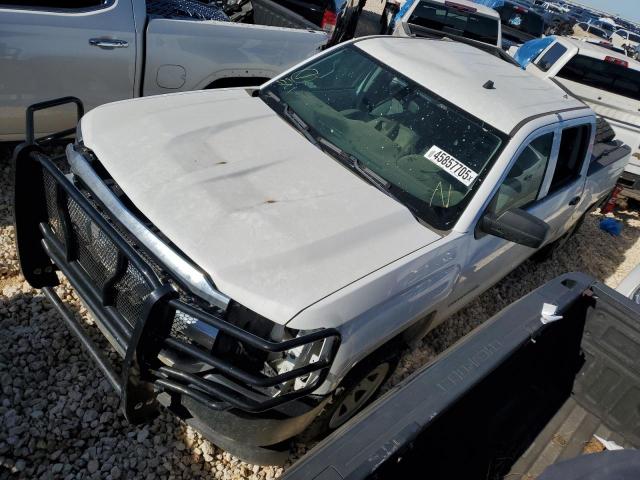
x=60, y=226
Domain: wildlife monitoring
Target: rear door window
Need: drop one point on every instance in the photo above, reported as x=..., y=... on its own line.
x=546, y=61
x=603, y=75
x=573, y=150
x=456, y=21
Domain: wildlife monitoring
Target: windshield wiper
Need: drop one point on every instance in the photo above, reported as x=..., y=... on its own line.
x=293, y=118
x=365, y=172
x=357, y=165
x=298, y=123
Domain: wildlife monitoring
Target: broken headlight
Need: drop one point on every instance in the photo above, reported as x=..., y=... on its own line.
x=272, y=364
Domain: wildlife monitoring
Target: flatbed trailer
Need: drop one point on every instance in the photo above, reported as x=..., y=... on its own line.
x=511, y=399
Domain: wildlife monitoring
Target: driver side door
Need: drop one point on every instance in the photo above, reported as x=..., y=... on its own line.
x=491, y=258
x=546, y=179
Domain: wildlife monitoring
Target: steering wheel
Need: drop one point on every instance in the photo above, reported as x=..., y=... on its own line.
x=389, y=128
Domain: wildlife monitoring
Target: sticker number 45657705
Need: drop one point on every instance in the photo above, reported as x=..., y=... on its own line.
x=452, y=166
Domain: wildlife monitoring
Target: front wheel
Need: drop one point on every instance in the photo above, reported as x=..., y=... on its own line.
x=355, y=392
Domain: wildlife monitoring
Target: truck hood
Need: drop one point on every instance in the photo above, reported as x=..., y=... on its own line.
x=276, y=223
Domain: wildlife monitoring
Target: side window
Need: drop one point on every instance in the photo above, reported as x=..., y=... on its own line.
x=573, y=149
x=551, y=57
x=55, y=4
x=522, y=185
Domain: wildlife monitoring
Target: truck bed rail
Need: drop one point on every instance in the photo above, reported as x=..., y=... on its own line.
x=511, y=398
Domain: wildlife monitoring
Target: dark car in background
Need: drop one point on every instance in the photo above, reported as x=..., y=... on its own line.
x=519, y=22
x=339, y=17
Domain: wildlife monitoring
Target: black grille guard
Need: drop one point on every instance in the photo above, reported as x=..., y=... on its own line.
x=137, y=319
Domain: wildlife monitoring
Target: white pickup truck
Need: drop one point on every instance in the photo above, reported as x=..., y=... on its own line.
x=605, y=80
x=106, y=50
x=265, y=258
x=445, y=18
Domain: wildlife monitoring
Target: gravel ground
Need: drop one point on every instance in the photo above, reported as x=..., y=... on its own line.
x=59, y=417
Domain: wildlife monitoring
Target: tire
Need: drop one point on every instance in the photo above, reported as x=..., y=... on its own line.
x=356, y=391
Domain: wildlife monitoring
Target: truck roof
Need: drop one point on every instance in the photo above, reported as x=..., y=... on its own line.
x=458, y=72
x=596, y=51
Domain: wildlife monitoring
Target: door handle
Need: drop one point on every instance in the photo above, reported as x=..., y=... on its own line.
x=574, y=201
x=108, y=43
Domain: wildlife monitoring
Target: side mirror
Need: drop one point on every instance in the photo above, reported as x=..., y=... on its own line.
x=516, y=226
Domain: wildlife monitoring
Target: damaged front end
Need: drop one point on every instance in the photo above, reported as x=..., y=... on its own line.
x=173, y=334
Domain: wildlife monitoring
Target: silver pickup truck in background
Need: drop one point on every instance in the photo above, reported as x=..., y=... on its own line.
x=607, y=81
x=106, y=50
x=271, y=251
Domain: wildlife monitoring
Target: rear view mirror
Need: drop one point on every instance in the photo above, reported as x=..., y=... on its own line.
x=516, y=226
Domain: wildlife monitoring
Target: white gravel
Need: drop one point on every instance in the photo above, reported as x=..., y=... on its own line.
x=59, y=417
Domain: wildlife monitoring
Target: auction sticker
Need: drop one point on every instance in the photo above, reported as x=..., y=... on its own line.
x=451, y=165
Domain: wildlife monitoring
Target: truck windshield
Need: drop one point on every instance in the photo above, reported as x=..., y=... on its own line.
x=424, y=151
x=456, y=20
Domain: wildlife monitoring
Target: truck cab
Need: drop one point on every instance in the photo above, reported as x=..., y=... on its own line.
x=607, y=81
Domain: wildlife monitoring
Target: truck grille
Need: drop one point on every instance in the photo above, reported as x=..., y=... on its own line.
x=97, y=254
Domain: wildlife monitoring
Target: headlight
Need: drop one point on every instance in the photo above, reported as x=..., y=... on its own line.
x=320, y=350
x=245, y=361
x=636, y=296
x=275, y=363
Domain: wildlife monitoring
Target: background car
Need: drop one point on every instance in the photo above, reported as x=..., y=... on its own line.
x=519, y=22
x=584, y=30
x=624, y=38
x=337, y=17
